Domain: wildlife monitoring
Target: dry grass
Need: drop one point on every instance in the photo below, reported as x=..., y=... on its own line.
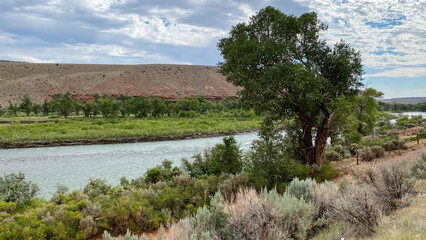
x=407, y=223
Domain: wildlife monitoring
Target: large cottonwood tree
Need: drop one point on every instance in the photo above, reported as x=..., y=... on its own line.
x=285, y=69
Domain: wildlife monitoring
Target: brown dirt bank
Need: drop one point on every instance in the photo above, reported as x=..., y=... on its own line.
x=41, y=81
x=73, y=142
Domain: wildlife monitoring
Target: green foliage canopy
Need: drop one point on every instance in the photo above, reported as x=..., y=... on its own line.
x=286, y=70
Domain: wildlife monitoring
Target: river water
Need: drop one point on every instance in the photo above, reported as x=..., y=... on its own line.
x=393, y=121
x=73, y=166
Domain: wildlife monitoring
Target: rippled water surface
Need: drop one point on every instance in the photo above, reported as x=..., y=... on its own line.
x=72, y=166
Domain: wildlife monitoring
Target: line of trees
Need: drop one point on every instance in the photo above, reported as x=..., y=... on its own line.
x=63, y=105
x=399, y=107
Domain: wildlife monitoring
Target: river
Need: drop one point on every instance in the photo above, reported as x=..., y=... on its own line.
x=393, y=121
x=73, y=166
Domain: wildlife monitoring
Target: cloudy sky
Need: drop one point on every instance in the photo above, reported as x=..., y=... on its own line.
x=391, y=34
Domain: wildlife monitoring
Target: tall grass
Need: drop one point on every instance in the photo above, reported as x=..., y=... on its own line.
x=65, y=129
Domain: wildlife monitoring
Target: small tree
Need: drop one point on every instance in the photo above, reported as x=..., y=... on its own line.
x=13, y=109
x=36, y=109
x=46, y=107
x=158, y=107
x=26, y=105
x=226, y=157
x=78, y=106
x=63, y=104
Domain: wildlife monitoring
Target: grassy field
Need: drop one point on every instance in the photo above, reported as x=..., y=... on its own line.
x=86, y=128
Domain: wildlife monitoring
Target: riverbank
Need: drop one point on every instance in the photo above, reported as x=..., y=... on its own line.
x=73, y=142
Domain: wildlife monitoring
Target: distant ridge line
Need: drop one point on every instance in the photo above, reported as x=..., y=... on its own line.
x=405, y=100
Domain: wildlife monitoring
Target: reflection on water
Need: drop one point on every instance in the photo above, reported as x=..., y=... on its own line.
x=72, y=166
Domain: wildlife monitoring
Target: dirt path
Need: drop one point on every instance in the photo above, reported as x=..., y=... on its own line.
x=348, y=166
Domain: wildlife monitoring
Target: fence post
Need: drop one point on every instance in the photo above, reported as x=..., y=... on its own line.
x=205, y=197
x=418, y=139
x=357, y=158
x=389, y=148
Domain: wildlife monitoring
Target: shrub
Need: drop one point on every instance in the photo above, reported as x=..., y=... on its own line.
x=378, y=151
x=356, y=206
x=327, y=172
x=269, y=216
x=324, y=195
x=341, y=150
x=389, y=183
x=153, y=175
x=88, y=225
x=8, y=207
x=394, y=145
x=224, y=157
x=419, y=168
x=369, y=154
x=96, y=187
x=332, y=156
x=233, y=183
x=14, y=188
x=183, y=180
x=203, y=225
x=353, y=148
x=128, y=236
x=302, y=189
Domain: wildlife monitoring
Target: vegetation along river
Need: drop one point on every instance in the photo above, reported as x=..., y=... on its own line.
x=73, y=166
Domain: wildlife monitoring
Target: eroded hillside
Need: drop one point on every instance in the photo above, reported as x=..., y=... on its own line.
x=41, y=81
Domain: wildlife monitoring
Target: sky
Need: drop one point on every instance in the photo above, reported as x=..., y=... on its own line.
x=390, y=34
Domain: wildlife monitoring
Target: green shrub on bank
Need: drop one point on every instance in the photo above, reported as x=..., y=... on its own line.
x=14, y=188
x=225, y=157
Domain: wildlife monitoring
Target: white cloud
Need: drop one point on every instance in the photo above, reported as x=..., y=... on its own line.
x=27, y=58
x=410, y=72
x=389, y=33
x=111, y=50
x=158, y=29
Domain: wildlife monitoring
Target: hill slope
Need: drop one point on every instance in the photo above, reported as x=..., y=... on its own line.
x=406, y=100
x=41, y=81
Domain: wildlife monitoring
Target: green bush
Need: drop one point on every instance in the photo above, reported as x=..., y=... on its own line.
x=224, y=157
x=353, y=148
x=14, y=188
x=394, y=145
x=96, y=187
x=153, y=175
x=8, y=207
x=327, y=172
x=332, y=156
x=302, y=189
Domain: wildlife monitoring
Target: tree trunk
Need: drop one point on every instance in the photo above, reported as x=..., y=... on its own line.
x=315, y=154
x=307, y=145
x=320, y=145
